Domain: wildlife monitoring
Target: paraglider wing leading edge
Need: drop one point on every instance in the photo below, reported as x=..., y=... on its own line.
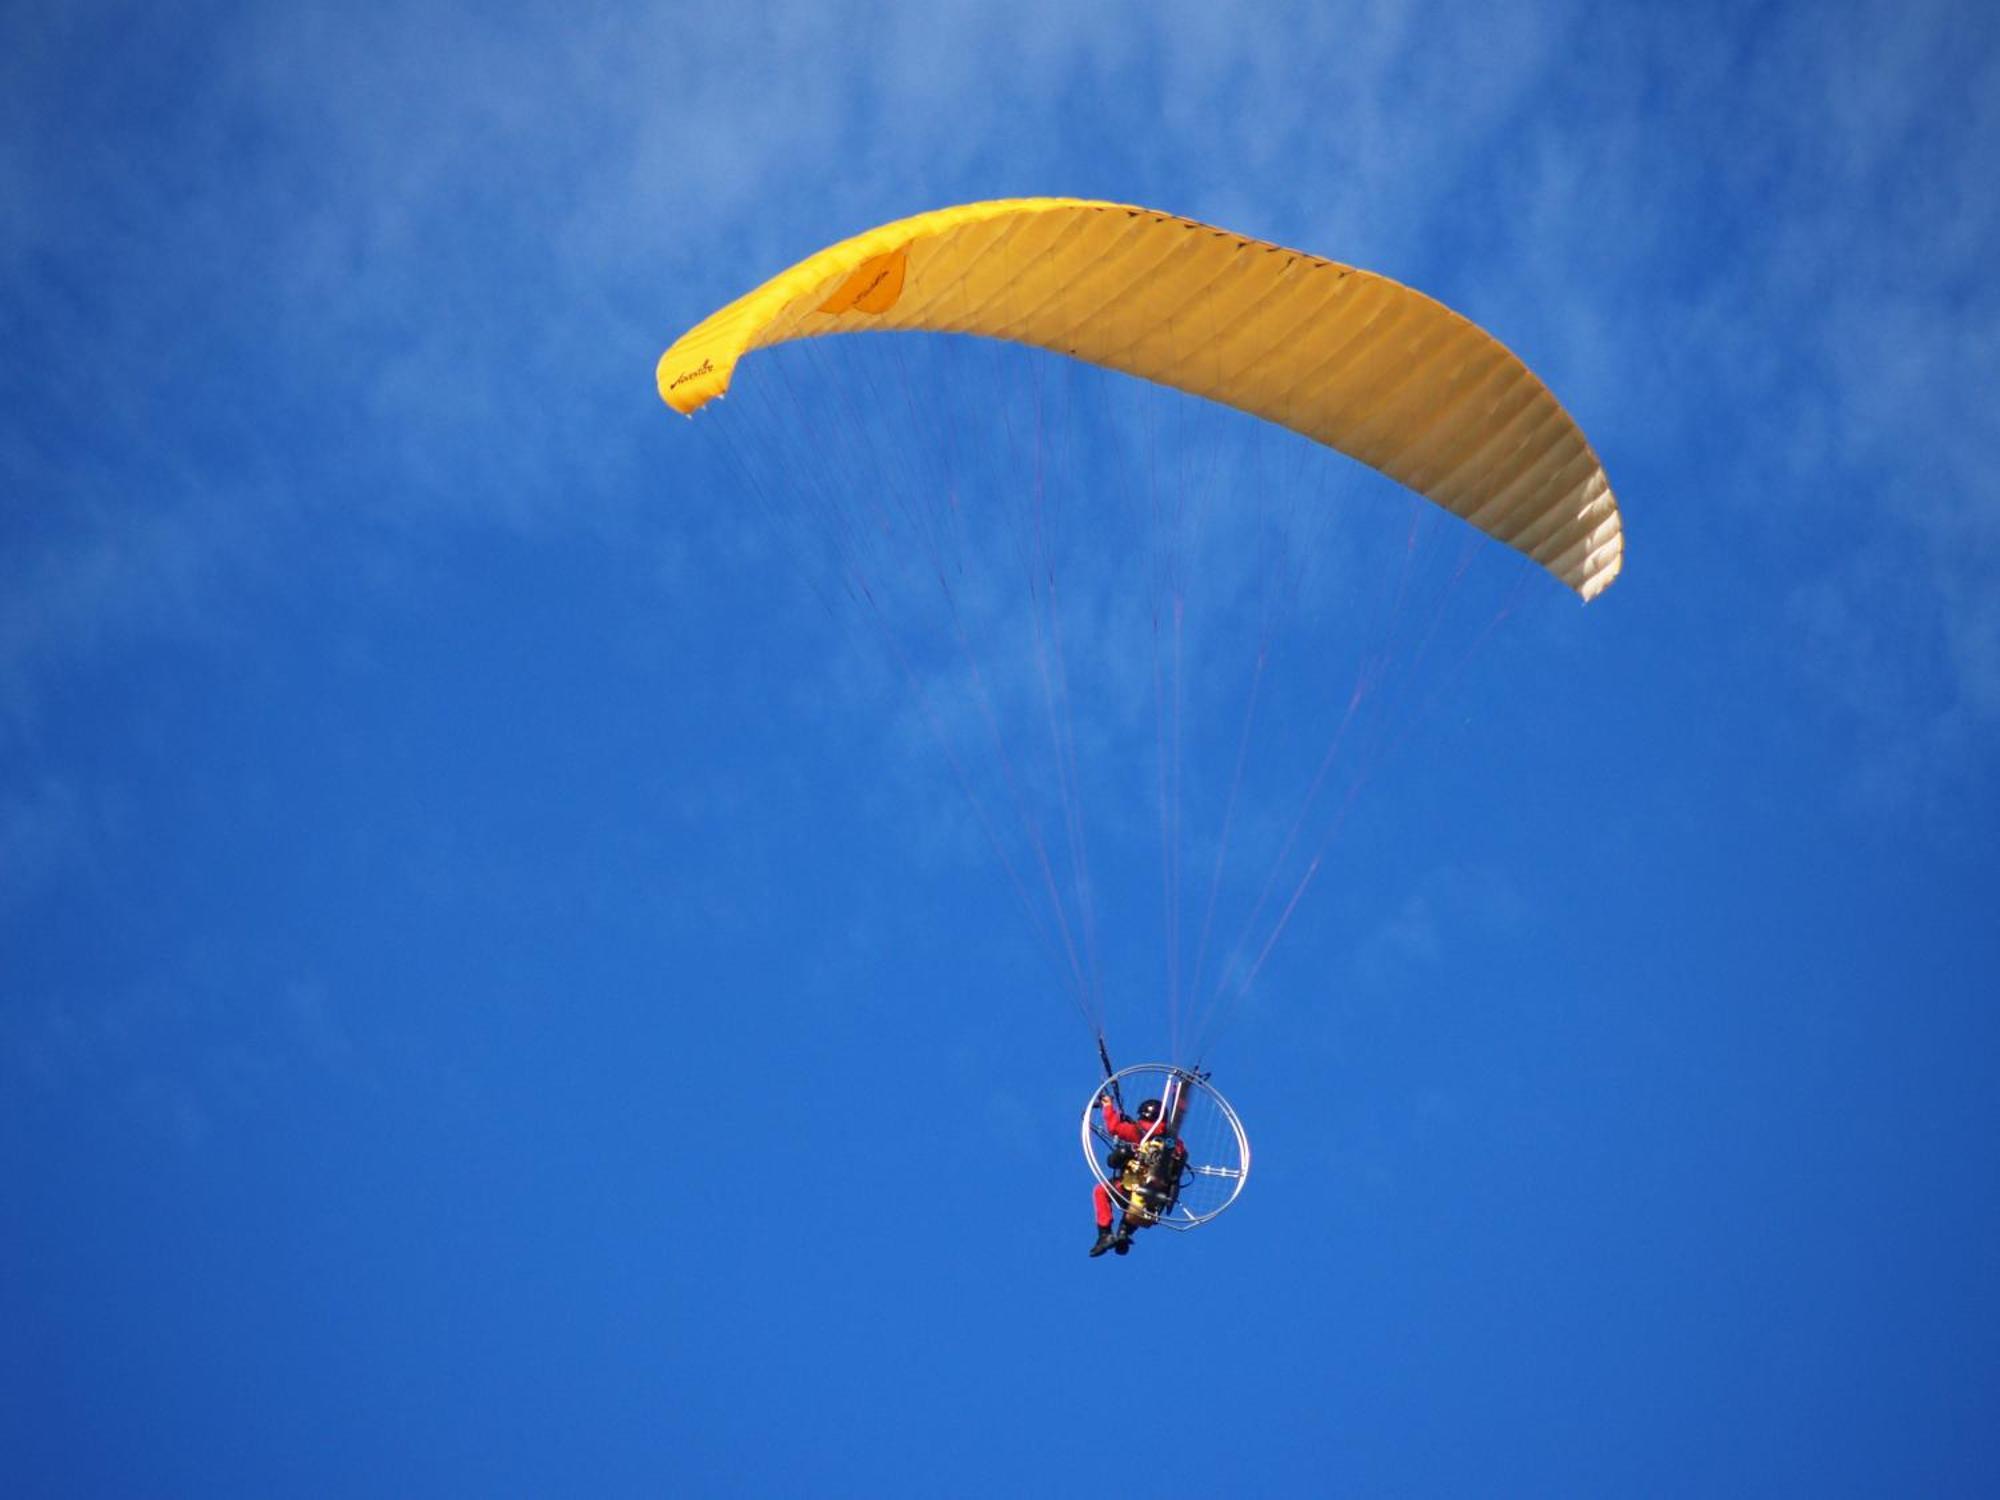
x=1351, y=359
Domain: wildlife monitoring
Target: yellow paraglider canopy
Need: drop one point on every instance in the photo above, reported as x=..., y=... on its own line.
x=1356, y=361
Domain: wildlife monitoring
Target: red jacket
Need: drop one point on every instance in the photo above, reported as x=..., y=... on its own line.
x=1133, y=1130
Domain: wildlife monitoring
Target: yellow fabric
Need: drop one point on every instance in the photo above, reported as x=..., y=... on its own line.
x=1351, y=359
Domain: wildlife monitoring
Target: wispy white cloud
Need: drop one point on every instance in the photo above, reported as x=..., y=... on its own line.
x=410, y=265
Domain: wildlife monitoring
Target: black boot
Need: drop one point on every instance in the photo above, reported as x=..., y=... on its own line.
x=1104, y=1241
x=1122, y=1241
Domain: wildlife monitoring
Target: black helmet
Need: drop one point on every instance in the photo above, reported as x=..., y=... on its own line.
x=1150, y=1111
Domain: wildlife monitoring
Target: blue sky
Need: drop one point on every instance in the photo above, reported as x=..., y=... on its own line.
x=500, y=994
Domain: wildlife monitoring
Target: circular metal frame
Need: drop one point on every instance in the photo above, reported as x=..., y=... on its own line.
x=1220, y=1155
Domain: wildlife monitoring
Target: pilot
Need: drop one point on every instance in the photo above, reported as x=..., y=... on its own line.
x=1147, y=1162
